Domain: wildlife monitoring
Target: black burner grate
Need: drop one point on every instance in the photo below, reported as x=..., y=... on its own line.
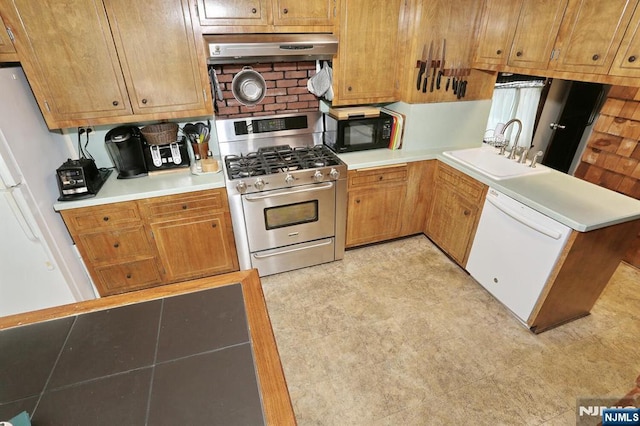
x=279, y=159
x=245, y=165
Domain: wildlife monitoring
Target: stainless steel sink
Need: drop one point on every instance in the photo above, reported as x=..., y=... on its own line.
x=487, y=161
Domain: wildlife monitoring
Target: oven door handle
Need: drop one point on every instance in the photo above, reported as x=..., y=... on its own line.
x=280, y=192
x=322, y=244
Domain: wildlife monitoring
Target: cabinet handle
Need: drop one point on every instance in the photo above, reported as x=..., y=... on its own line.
x=380, y=177
x=595, y=57
x=499, y=52
x=467, y=212
x=116, y=245
x=349, y=88
x=106, y=218
x=358, y=201
x=184, y=207
x=214, y=225
x=254, y=10
x=129, y=276
x=144, y=101
x=632, y=59
x=518, y=54
x=285, y=11
x=115, y=103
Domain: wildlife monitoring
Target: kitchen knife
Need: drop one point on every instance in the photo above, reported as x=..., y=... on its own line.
x=423, y=64
x=454, y=83
x=441, y=72
x=428, y=67
x=446, y=87
x=433, y=76
x=463, y=89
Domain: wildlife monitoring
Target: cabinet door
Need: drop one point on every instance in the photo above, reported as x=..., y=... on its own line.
x=497, y=29
x=590, y=34
x=452, y=222
x=366, y=69
x=627, y=60
x=196, y=247
x=536, y=33
x=6, y=45
x=233, y=12
x=157, y=49
x=71, y=59
x=374, y=214
x=310, y=12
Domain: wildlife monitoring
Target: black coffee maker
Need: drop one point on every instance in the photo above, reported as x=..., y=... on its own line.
x=124, y=145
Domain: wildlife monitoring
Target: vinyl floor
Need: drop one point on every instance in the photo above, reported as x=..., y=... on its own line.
x=397, y=334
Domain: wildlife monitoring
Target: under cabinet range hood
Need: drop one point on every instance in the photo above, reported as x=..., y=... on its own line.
x=263, y=48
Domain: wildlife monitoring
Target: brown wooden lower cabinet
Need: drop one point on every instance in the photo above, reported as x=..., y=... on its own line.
x=455, y=211
x=584, y=269
x=137, y=244
x=195, y=246
x=386, y=202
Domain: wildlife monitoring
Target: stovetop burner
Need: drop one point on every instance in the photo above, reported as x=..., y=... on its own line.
x=279, y=159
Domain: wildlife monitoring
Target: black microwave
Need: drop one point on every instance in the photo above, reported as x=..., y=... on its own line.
x=357, y=133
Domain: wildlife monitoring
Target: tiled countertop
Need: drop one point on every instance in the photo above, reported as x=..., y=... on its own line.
x=200, y=352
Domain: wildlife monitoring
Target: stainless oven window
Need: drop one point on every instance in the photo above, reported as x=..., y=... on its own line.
x=291, y=214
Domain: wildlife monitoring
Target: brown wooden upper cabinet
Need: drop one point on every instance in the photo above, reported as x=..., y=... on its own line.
x=578, y=36
x=95, y=62
x=536, y=31
x=366, y=69
x=627, y=60
x=496, y=35
x=6, y=45
x=590, y=35
x=257, y=13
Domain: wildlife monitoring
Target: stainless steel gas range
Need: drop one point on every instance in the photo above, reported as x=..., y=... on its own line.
x=287, y=191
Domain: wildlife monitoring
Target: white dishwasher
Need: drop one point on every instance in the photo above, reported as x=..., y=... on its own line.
x=514, y=251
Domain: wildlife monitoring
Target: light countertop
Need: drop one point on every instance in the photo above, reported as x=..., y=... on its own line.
x=116, y=190
x=387, y=157
x=576, y=203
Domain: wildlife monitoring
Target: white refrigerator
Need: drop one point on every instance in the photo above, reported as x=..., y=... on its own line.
x=39, y=266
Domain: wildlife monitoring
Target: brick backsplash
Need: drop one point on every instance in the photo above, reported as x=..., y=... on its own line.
x=286, y=89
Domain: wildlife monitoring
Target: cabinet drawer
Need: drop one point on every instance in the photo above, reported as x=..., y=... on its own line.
x=192, y=204
x=116, y=245
x=378, y=175
x=128, y=276
x=101, y=217
x=469, y=188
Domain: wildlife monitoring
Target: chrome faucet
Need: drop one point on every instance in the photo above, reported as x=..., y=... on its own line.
x=535, y=158
x=523, y=156
x=512, y=154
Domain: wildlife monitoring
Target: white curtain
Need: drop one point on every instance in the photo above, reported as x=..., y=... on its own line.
x=515, y=102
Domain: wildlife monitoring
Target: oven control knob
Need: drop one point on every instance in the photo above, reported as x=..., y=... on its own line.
x=318, y=176
x=241, y=187
x=259, y=184
x=288, y=179
x=334, y=174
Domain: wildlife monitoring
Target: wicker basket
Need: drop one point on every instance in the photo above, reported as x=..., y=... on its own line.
x=160, y=134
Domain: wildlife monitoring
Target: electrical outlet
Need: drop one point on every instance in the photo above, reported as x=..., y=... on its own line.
x=85, y=129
